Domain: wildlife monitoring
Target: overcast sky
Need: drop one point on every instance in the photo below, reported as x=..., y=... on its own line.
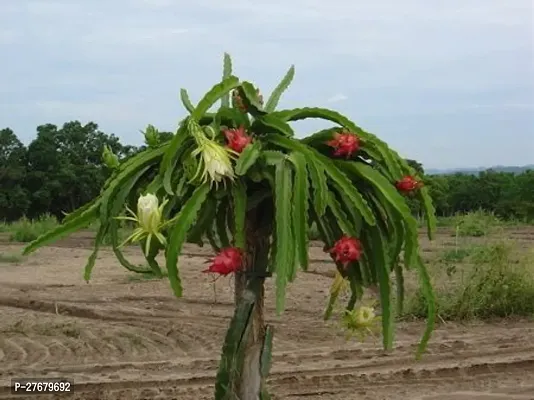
x=449, y=83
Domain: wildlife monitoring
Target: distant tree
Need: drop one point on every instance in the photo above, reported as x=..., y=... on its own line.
x=62, y=169
x=14, y=199
x=416, y=165
x=438, y=188
x=525, y=198
x=65, y=168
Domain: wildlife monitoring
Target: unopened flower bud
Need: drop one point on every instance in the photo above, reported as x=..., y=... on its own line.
x=151, y=136
x=148, y=212
x=110, y=159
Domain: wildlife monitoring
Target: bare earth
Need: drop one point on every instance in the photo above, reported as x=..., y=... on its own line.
x=120, y=338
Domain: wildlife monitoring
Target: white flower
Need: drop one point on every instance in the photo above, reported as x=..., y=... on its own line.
x=148, y=213
x=149, y=217
x=361, y=321
x=217, y=162
x=364, y=315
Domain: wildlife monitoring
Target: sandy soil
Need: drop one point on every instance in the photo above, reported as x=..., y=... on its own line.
x=124, y=338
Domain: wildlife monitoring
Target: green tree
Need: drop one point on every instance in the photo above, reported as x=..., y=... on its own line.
x=525, y=195
x=65, y=168
x=439, y=190
x=414, y=203
x=417, y=166
x=239, y=176
x=14, y=198
x=508, y=195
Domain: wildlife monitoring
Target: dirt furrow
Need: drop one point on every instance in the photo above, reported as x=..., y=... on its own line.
x=313, y=381
x=122, y=337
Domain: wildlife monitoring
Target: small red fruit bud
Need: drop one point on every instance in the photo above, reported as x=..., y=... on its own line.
x=237, y=138
x=260, y=96
x=345, y=144
x=408, y=184
x=227, y=261
x=346, y=249
x=238, y=101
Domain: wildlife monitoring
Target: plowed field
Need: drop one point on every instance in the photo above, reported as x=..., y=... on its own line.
x=122, y=337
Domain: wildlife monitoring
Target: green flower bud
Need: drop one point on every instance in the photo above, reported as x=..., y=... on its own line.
x=110, y=159
x=151, y=136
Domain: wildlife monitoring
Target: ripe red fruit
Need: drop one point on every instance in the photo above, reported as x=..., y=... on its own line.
x=346, y=249
x=227, y=261
x=345, y=144
x=408, y=184
x=237, y=138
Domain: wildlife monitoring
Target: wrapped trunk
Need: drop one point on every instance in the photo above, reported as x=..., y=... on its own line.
x=246, y=357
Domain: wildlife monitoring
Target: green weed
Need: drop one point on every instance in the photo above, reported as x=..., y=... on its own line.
x=10, y=258
x=26, y=230
x=496, y=281
x=476, y=224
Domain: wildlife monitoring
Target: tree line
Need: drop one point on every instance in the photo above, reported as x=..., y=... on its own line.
x=62, y=169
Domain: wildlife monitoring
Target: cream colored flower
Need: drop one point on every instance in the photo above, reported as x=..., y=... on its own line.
x=364, y=316
x=149, y=217
x=361, y=321
x=215, y=161
x=148, y=212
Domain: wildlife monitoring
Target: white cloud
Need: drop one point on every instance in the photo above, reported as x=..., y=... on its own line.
x=156, y=4
x=522, y=106
x=9, y=36
x=122, y=111
x=44, y=8
x=337, y=98
x=134, y=36
x=121, y=63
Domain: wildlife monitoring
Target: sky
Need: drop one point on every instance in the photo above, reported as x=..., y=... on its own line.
x=448, y=83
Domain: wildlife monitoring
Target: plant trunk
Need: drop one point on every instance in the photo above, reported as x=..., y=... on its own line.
x=246, y=354
x=251, y=382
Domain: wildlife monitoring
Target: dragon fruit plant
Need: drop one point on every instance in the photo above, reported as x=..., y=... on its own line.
x=239, y=177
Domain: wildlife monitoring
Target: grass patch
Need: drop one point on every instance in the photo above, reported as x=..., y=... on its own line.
x=26, y=230
x=455, y=255
x=476, y=224
x=10, y=258
x=495, y=280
